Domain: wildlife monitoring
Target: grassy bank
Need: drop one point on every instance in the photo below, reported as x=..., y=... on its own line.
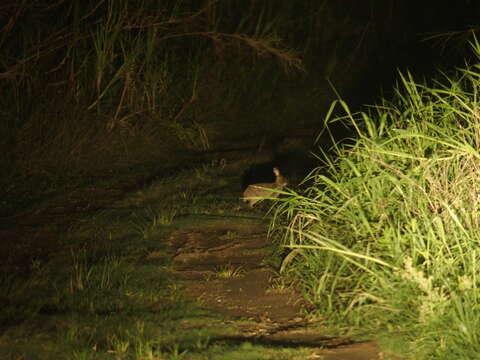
x=385, y=236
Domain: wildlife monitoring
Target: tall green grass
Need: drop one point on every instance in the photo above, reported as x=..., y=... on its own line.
x=386, y=234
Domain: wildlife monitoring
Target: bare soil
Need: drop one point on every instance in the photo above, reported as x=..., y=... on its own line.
x=224, y=267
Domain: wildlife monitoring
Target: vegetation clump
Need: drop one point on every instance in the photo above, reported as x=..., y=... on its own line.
x=386, y=234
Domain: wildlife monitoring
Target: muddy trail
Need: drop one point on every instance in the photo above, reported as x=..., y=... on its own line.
x=224, y=267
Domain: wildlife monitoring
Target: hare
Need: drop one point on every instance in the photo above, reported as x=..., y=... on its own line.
x=257, y=192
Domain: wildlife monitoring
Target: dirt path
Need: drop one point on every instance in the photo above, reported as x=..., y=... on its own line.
x=220, y=264
x=223, y=266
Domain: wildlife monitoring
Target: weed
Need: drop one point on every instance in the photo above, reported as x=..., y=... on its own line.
x=279, y=284
x=228, y=271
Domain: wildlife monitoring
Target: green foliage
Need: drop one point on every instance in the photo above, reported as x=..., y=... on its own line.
x=386, y=234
